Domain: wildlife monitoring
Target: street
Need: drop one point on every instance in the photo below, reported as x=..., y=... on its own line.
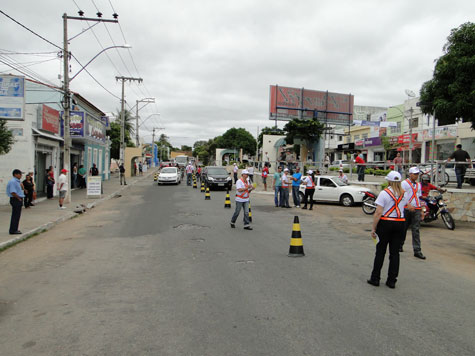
x=159, y=271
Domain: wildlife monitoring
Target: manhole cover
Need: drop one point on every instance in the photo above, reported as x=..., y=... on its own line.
x=186, y=227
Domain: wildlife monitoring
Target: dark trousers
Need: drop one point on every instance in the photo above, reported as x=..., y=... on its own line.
x=460, y=174
x=360, y=171
x=284, y=201
x=295, y=195
x=28, y=198
x=308, y=197
x=390, y=233
x=235, y=178
x=49, y=191
x=16, y=213
x=413, y=219
x=251, y=177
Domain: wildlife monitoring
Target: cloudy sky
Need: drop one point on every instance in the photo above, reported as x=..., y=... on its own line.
x=209, y=63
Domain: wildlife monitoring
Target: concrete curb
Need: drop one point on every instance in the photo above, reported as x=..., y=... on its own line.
x=45, y=227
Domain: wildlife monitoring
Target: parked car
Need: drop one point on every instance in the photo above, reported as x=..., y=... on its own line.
x=169, y=175
x=330, y=188
x=340, y=164
x=215, y=177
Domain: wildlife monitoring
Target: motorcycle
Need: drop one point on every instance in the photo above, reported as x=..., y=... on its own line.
x=435, y=206
x=369, y=207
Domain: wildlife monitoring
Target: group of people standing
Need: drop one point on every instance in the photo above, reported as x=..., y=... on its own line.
x=284, y=182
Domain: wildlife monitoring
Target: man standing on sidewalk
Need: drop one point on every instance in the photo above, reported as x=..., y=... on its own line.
x=460, y=156
x=278, y=187
x=243, y=188
x=296, y=181
x=235, y=172
x=16, y=195
x=62, y=187
x=122, y=174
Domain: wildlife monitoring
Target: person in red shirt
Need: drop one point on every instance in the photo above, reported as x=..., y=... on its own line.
x=360, y=166
x=426, y=187
x=265, y=173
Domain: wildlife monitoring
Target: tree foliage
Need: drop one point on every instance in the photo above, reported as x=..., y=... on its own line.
x=269, y=131
x=237, y=138
x=114, y=133
x=6, y=138
x=308, y=131
x=450, y=94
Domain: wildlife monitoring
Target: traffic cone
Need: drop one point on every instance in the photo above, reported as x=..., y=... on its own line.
x=227, y=202
x=194, y=184
x=207, y=195
x=296, y=245
x=155, y=177
x=202, y=187
x=250, y=213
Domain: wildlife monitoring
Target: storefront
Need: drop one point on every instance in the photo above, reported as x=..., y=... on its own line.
x=372, y=149
x=445, y=140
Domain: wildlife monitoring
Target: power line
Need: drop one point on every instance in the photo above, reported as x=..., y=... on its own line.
x=33, y=32
x=24, y=70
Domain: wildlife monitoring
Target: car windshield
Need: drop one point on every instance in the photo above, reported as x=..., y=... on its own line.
x=339, y=182
x=169, y=170
x=217, y=171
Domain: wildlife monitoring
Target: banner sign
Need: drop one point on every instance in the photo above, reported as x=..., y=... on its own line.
x=49, y=119
x=440, y=133
x=95, y=129
x=106, y=121
x=94, y=185
x=12, y=97
x=405, y=138
x=375, y=123
x=292, y=103
x=76, y=124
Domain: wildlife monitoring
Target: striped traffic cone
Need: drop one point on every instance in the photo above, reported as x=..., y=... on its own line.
x=202, y=187
x=250, y=213
x=296, y=245
x=155, y=177
x=227, y=202
x=207, y=195
x=194, y=184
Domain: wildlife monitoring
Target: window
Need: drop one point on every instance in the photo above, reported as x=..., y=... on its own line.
x=340, y=138
x=396, y=129
x=365, y=136
x=415, y=122
x=356, y=137
x=325, y=182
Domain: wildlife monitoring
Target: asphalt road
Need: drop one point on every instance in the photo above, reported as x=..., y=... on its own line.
x=159, y=271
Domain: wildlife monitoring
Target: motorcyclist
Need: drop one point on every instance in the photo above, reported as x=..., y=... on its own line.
x=426, y=187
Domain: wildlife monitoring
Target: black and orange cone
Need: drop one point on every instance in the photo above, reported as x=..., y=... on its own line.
x=207, y=195
x=227, y=202
x=202, y=187
x=296, y=244
x=250, y=213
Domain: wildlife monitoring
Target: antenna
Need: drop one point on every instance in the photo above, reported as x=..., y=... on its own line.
x=410, y=93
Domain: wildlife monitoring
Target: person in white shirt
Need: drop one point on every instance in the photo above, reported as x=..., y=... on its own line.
x=342, y=176
x=309, y=182
x=413, y=217
x=388, y=228
x=235, y=172
x=62, y=187
x=189, y=172
x=250, y=169
x=243, y=188
x=286, y=183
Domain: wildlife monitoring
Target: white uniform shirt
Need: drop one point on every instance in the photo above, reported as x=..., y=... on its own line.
x=308, y=182
x=387, y=202
x=416, y=202
x=344, y=178
x=189, y=168
x=240, y=185
x=285, y=180
x=251, y=170
x=64, y=181
x=235, y=169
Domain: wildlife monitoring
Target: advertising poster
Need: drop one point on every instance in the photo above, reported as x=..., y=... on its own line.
x=12, y=97
x=94, y=186
x=95, y=129
x=76, y=124
x=49, y=119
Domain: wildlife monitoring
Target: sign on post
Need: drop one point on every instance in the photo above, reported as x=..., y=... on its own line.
x=94, y=186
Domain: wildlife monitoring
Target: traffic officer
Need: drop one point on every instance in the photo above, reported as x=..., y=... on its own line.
x=16, y=195
x=243, y=188
x=413, y=218
x=388, y=228
x=309, y=182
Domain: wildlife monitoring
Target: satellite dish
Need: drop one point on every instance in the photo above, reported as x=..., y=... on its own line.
x=410, y=93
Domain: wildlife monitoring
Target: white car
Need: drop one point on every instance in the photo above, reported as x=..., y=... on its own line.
x=169, y=175
x=330, y=188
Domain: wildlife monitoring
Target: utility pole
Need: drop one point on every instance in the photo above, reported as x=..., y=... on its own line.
x=147, y=101
x=67, y=94
x=122, y=113
x=410, y=136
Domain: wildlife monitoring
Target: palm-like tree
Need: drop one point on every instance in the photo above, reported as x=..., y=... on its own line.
x=129, y=125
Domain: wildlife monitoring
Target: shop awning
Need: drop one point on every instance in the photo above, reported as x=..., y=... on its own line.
x=46, y=135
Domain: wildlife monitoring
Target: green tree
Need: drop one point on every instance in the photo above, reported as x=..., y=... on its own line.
x=308, y=131
x=6, y=138
x=450, y=94
x=237, y=138
x=114, y=134
x=269, y=131
x=186, y=148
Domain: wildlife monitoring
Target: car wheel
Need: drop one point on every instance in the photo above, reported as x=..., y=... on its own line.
x=346, y=200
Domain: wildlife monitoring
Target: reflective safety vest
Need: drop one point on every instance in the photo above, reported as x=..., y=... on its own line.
x=394, y=207
x=244, y=194
x=312, y=182
x=414, y=194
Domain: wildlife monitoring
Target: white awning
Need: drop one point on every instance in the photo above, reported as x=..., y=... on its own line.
x=46, y=135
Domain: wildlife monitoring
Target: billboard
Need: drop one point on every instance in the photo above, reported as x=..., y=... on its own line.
x=95, y=129
x=12, y=97
x=49, y=119
x=76, y=124
x=292, y=103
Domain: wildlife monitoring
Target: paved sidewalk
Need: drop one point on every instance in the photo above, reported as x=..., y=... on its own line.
x=45, y=214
